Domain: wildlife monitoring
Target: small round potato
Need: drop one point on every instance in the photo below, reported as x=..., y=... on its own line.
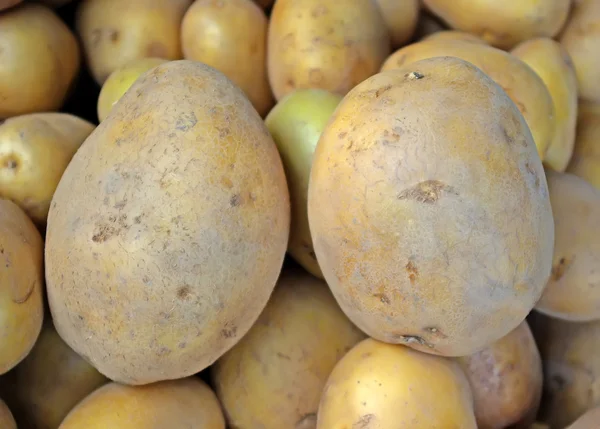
x=179, y=404
x=39, y=60
x=21, y=285
x=115, y=32
x=401, y=18
x=585, y=161
x=231, y=36
x=388, y=386
x=327, y=45
x=503, y=23
x=6, y=418
x=587, y=421
x=456, y=35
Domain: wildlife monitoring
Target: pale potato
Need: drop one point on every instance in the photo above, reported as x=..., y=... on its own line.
x=585, y=161
x=401, y=17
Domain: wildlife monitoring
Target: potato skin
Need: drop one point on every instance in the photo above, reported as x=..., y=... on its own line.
x=401, y=18
x=114, y=32
x=503, y=24
x=456, y=35
x=40, y=59
x=177, y=404
x=588, y=421
x=525, y=88
x=21, y=285
x=273, y=378
x=179, y=196
x=408, y=257
x=581, y=38
x=331, y=46
x=35, y=149
x=393, y=387
x=585, y=161
x=231, y=36
x=6, y=418
x=506, y=380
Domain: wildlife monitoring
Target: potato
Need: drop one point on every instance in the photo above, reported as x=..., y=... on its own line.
x=231, y=36
x=585, y=161
x=179, y=404
x=21, y=285
x=506, y=380
x=552, y=63
x=425, y=237
x=39, y=59
x=520, y=82
x=332, y=46
x=134, y=29
x=296, y=123
x=5, y=4
x=35, y=149
x=573, y=290
x=6, y=419
x=456, y=35
x=588, y=421
x=401, y=18
x=274, y=377
x=581, y=39
x=390, y=386
x=503, y=24
x=175, y=214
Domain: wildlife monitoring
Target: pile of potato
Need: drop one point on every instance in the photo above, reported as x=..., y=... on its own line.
x=300, y=214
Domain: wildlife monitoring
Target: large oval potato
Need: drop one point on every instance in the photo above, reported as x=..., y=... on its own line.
x=425, y=237
x=179, y=404
x=401, y=18
x=581, y=39
x=332, y=46
x=175, y=215
x=503, y=23
x=296, y=123
x=520, y=82
x=388, y=386
x=35, y=149
x=6, y=418
x=588, y=421
x=585, y=161
x=299, y=338
x=573, y=290
x=506, y=380
x=231, y=36
x=552, y=63
x=21, y=285
x=114, y=32
x=39, y=60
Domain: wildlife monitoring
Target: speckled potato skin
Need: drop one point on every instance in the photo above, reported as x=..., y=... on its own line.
x=506, y=381
x=552, y=63
x=332, y=46
x=432, y=225
x=401, y=18
x=456, y=35
x=588, y=421
x=388, y=386
x=175, y=216
x=231, y=36
x=573, y=290
x=585, y=161
x=178, y=404
x=35, y=149
x=525, y=88
x=503, y=24
x=21, y=285
x=114, y=32
x=273, y=378
x=6, y=418
x=39, y=60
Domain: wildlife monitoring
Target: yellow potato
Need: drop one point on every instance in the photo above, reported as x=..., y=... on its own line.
x=456, y=35
x=506, y=380
x=573, y=290
x=526, y=89
x=388, y=386
x=503, y=23
x=296, y=123
x=175, y=216
x=332, y=46
x=6, y=418
x=39, y=60
x=588, y=421
x=231, y=36
x=35, y=149
x=115, y=32
x=119, y=81
x=401, y=18
x=585, y=161
x=179, y=404
x=298, y=338
x=552, y=63
x=581, y=39
x=21, y=285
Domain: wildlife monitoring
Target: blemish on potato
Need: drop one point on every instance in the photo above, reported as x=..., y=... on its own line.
x=104, y=233
x=229, y=332
x=415, y=76
x=427, y=192
x=307, y=421
x=363, y=422
x=283, y=356
x=413, y=339
x=235, y=200
x=185, y=121
x=413, y=272
x=382, y=297
x=559, y=269
x=381, y=90
x=184, y=292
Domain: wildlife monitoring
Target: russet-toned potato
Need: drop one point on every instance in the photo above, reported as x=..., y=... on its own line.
x=585, y=161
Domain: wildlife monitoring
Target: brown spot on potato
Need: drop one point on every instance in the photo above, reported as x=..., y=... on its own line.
x=382, y=297
x=413, y=272
x=531, y=171
x=381, y=90
x=104, y=233
x=427, y=192
x=184, y=292
x=235, y=200
x=186, y=121
x=11, y=163
x=283, y=356
x=229, y=332
x=307, y=421
x=113, y=35
x=182, y=345
x=559, y=269
x=342, y=135
x=363, y=422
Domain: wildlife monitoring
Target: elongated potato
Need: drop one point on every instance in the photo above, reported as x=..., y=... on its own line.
x=6, y=418
x=585, y=161
x=401, y=18
x=525, y=88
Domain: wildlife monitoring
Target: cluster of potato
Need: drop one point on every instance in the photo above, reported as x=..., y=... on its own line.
x=303, y=214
